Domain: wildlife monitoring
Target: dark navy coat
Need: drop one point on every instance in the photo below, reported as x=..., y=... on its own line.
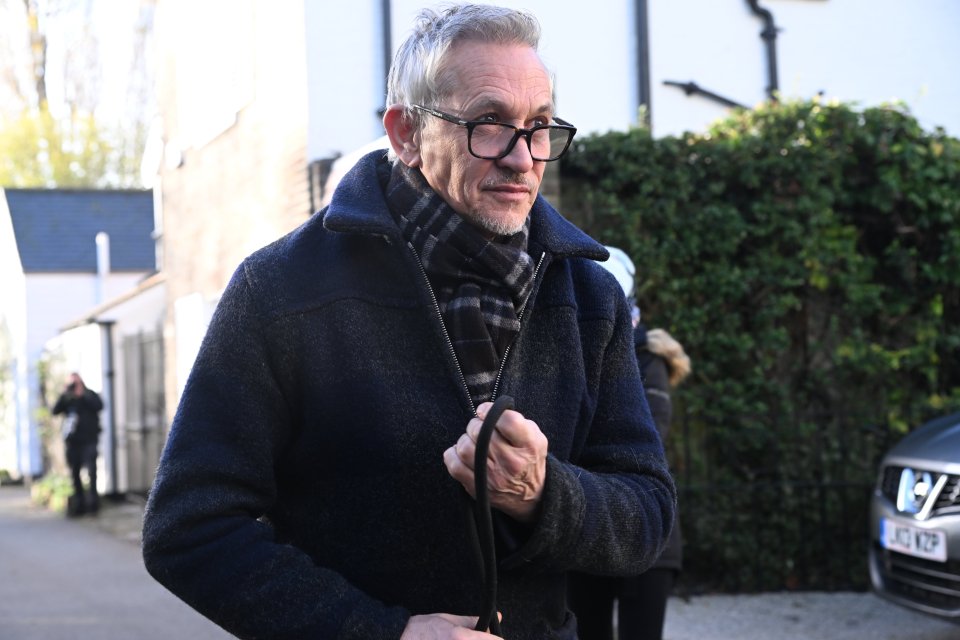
x=302, y=491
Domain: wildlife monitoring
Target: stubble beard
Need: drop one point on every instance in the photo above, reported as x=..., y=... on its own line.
x=494, y=221
x=496, y=225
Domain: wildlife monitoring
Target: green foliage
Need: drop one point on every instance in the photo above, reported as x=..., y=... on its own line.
x=807, y=255
x=38, y=150
x=52, y=491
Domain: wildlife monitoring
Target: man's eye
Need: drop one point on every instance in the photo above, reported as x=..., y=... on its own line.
x=540, y=122
x=488, y=117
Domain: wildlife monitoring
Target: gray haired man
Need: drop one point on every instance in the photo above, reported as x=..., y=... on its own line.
x=316, y=475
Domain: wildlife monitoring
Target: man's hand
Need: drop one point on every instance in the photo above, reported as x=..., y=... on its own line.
x=439, y=626
x=516, y=462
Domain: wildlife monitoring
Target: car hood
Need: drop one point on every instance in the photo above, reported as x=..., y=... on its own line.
x=937, y=440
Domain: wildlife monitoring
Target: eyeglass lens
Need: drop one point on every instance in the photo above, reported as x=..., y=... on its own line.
x=491, y=141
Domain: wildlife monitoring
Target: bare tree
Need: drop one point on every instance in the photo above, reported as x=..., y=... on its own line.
x=52, y=94
x=38, y=49
x=17, y=88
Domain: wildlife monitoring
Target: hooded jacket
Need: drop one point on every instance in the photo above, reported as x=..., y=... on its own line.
x=302, y=492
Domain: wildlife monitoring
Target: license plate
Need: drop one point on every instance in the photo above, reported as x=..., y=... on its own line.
x=930, y=544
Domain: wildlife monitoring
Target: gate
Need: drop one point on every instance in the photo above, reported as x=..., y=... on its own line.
x=144, y=419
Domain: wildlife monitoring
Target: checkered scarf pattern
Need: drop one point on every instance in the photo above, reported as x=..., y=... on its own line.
x=480, y=284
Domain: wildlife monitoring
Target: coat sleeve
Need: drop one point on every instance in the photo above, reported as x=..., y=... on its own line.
x=657, y=388
x=61, y=405
x=92, y=400
x=202, y=535
x=610, y=510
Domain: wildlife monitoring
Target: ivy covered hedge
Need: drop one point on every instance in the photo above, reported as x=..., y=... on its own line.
x=807, y=255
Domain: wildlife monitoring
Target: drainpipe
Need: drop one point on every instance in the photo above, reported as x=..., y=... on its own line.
x=769, y=36
x=643, y=62
x=387, y=26
x=110, y=393
x=103, y=265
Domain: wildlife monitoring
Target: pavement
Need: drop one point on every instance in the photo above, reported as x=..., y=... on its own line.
x=766, y=616
x=76, y=580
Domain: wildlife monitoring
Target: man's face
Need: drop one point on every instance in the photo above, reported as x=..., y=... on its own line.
x=499, y=83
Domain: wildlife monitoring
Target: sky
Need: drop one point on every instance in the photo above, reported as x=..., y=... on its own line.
x=112, y=28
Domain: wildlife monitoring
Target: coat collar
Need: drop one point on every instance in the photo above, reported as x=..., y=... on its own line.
x=358, y=206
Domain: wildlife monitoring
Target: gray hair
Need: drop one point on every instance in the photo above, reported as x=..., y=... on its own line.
x=417, y=73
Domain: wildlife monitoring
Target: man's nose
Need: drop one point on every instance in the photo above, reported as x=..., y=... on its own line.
x=519, y=159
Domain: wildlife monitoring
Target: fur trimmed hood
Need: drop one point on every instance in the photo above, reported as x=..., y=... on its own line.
x=661, y=343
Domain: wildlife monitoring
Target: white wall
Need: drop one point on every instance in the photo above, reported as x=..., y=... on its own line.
x=13, y=319
x=592, y=53
x=213, y=64
x=51, y=302
x=192, y=314
x=345, y=75
x=865, y=51
x=54, y=299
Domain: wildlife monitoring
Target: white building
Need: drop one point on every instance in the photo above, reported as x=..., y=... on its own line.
x=62, y=253
x=611, y=57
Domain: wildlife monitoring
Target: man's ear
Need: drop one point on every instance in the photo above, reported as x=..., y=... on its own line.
x=403, y=134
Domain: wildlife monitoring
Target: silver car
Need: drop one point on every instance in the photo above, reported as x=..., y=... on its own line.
x=915, y=521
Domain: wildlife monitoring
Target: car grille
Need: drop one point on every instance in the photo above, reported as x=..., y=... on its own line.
x=934, y=584
x=948, y=502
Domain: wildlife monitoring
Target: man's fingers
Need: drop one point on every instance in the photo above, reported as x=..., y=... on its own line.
x=466, y=449
x=512, y=427
x=469, y=622
x=443, y=625
x=458, y=470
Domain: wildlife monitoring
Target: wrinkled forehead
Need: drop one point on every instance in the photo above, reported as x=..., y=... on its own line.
x=476, y=67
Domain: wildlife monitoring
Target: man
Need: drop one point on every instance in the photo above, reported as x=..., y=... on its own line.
x=81, y=430
x=313, y=482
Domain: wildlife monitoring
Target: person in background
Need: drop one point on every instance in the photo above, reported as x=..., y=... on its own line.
x=641, y=601
x=314, y=480
x=81, y=408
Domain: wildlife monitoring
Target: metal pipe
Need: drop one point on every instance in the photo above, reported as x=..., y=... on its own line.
x=103, y=265
x=691, y=88
x=769, y=36
x=386, y=24
x=110, y=391
x=644, y=99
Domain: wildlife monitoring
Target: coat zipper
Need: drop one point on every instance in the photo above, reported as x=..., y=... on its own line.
x=506, y=352
x=446, y=334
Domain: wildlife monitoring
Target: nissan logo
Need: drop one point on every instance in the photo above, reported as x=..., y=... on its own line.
x=914, y=489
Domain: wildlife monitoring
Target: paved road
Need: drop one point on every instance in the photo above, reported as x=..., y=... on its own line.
x=800, y=616
x=67, y=580
x=83, y=579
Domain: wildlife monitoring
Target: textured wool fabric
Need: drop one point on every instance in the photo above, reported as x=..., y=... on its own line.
x=480, y=284
x=302, y=491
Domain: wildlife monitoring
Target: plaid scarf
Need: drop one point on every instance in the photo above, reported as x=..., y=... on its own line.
x=480, y=284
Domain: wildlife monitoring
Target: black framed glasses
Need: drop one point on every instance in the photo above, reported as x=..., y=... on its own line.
x=495, y=140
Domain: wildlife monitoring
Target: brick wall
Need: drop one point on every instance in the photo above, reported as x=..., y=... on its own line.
x=222, y=199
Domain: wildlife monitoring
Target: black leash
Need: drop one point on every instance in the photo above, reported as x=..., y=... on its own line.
x=483, y=521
